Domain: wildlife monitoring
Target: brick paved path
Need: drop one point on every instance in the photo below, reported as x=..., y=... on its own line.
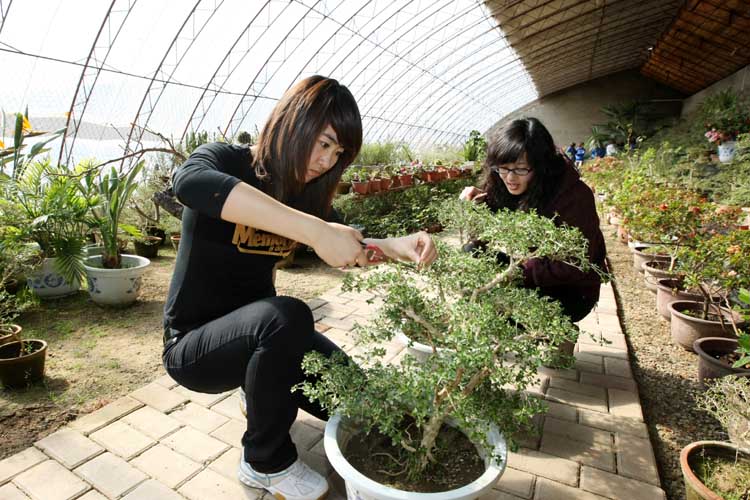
x=165, y=442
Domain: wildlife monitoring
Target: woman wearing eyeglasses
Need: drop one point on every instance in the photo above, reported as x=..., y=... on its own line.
x=523, y=171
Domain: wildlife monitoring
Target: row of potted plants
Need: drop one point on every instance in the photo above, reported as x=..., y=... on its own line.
x=369, y=180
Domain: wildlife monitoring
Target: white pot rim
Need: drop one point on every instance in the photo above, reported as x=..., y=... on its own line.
x=140, y=263
x=350, y=474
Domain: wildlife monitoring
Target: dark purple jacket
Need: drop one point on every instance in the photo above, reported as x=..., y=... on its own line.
x=574, y=205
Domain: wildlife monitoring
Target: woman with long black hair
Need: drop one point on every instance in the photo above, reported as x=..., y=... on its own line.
x=245, y=209
x=523, y=171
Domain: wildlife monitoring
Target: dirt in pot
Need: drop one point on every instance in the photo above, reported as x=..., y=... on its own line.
x=457, y=462
x=728, y=359
x=729, y=478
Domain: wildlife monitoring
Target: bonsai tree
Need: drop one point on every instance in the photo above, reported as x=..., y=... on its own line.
x=487, y=334
x=727, y=400
x=114, y=191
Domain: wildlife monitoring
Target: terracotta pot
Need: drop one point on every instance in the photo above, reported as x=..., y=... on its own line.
x=343, y=187
x=157, y=231
x=374, y=185
x=18, y=370
x=385, y=183
x=406, y=179
x=622, y=234
x=686, y=329
x=175, y=239
x=395, y=182
x=433, y=176
x=454, y=173
x=708, y=350
x=361, y=187
x=690, y=458
x=10, y=333
x=640, y=256
x=667, y=291
x=653, y=271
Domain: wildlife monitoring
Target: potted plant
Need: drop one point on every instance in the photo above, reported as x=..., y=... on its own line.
x=715, y=469
x=45, y=204
x=716, y=265
x=726, y=116
x=405, y=176
x=114, y=278
x=487, y=336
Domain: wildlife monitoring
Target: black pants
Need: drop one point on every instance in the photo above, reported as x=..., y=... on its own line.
x=260, y=347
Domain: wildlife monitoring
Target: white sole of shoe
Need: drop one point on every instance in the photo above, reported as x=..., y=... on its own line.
x=278, y=496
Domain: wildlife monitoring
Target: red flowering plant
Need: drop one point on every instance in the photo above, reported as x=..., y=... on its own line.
x=726, y=115
x=603, y=174
x=718, y=265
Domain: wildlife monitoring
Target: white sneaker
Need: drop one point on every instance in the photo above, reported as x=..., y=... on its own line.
x=297, y=482
x=243, y=402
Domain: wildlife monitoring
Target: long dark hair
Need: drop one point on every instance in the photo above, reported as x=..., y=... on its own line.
x=288, y=137
x=515, y=138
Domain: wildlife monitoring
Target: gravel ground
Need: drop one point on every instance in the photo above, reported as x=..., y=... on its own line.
x=667, y=375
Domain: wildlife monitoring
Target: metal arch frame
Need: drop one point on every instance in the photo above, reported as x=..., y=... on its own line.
x=141, y=125
x=354, y=34
x=411, y=125
x=88, y=84
x=189, y=123
x=542, y=50
x=263, y=67
x=4, y=12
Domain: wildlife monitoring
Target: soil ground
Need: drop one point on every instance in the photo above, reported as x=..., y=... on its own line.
x=97, y=355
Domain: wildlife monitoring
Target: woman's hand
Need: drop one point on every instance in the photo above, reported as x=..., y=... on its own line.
x=418, y=248
x=472, y=193
x=339, y=245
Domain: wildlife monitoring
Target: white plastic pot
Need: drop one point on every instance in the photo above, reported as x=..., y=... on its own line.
x=416, y=349
x=360, y=487
x=47, y=283
x=726, y=151
x=115, y=287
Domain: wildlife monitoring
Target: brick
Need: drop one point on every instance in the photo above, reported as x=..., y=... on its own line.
x=579, y=388
x=362, y=308
x=590, y=358
x=204, y=399
x=231, y=432
x=358, y=296
x=320, y=328
x=10, y=492
x=542, y=464
x=91, y=495
x=613, y=340
x=122, y=440
x=305, y=436
x=167, y=466
x=210, y=485
x=166, y=381
x=230, y=407
x=617, y=367
x=635, y=459
x=333, y=298
x=561, y=411
x=105, y=415
x=578, y=400
x=152, y=423
x=195, y=444
x=593, y=454
x=69, y=447
x=101, y=473
x=613, y=423
x=337, y=311
x=583, y=366
x=560, y=374
x=50, y=481
x=315, y=303
x=625, y=404
x=159, y=397
x=318, y=315
x=577, y=432
x=614, y=486
x=303, y=416
x=316, y=461
x=516, y=482
x=346, y=324
x=199, y=418
x=602, y=351
x=340, y=337
x=227, y=463
x=150, y=490
x=493, y=495
x=21, y=461
x=609, y=381
x=550, y=490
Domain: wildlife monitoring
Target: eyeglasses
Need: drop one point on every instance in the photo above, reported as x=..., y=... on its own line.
x=502, y=171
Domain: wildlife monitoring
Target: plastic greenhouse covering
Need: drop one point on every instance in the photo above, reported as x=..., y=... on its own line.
x=423, y=72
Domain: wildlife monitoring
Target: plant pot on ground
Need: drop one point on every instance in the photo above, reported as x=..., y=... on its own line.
x=22, y=363
x=115, y=287
x=710, y=466
x=716, y=357
x=655, y=270
x=687, y=324
x=175, y=240
x=9, y=333
x=468, y=309
x=643, y=254
x=669, y=290
x=158, y=232
x=148, y=246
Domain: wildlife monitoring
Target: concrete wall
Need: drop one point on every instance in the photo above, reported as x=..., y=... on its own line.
x=570, y=113
x=739, y=81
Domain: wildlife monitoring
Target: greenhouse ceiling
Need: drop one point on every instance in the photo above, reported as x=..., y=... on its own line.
x=423, y=72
